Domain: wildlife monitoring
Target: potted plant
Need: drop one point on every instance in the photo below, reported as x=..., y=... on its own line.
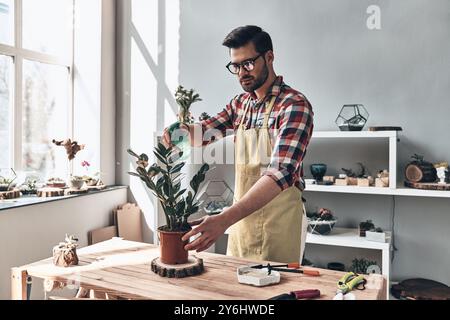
x=76, y=182
x=89, y=179
x=165, y=183
x=65, y=254
x=365, y=226
x=29, y=187
x=56, y=182
x=360, y=266
x=321, y=222
x=7, y=183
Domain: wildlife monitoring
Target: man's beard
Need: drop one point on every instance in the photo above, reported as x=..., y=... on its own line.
x=257, y=82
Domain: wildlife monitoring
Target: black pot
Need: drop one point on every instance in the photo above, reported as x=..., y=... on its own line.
x=337, y=266
x=318, y=170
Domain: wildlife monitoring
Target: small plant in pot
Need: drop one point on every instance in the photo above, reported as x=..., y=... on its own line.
x=29, y=187
x=365, y=226
x=7, y=183
x=165, y=183
x=321, y=222
x=76, y=182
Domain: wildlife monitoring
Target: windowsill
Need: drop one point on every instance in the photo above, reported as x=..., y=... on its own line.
x=25, y=201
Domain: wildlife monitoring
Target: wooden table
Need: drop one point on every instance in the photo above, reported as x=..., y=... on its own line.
x=121, y=268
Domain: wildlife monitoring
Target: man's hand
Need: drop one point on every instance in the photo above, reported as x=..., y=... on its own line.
x=210, y=228
x=166, y=138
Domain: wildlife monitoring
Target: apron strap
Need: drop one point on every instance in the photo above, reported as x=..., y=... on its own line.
x=247, y=105
x=268, y=111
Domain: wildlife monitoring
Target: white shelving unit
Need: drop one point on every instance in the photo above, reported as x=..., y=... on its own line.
x=344, y=237
x=349, y=237
x=399, y=191
x=391, y=136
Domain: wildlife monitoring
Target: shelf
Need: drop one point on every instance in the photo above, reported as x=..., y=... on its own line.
x=344, y=237
x=401, y=191
x=354, y=134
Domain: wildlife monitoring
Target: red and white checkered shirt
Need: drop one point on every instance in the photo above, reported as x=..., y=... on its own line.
x=292, y=116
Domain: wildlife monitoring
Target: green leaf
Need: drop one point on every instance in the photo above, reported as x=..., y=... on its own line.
x=177, y=168
x=160, y=158
x=189, y=197
x=180, y=193
x=204, y=168
x=143, y=157
x=176, y=187
x=131, y=152
x=166, y=189
x=141, y=171
x=194, y=184
x=162, y=148
x=180, y=208
x=160, y=182
x=134, y=174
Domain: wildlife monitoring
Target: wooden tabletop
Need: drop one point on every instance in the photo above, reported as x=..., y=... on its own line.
x=122, y=268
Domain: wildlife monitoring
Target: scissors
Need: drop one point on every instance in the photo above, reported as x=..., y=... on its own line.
x=347, y=283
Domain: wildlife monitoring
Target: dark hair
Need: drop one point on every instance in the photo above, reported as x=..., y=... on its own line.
x=241, y=36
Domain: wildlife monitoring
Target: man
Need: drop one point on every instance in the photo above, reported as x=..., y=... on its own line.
x=273, y=124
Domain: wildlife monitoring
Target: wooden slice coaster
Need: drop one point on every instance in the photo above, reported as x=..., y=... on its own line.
x=427, y=186
x=7, y=195
x=50, y=192
x=192, y=268
x=71, y=191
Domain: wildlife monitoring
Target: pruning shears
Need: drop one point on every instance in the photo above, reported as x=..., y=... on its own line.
x=290, y=267
x=347, y=283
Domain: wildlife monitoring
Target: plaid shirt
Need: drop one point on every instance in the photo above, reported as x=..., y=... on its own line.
x=292, y=116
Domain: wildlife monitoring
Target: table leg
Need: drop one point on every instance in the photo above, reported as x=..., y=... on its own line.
x=20, y=284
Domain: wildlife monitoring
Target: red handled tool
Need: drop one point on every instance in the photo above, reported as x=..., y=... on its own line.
x=298, y=295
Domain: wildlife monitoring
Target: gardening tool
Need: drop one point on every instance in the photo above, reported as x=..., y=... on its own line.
x=290, y=267
x=298, y=295
x=347, y=283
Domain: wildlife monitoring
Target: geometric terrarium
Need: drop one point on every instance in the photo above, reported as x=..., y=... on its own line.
x=216, y=195
x=353, y=117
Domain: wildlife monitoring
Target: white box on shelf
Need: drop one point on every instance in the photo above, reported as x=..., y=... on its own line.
x=378, y=236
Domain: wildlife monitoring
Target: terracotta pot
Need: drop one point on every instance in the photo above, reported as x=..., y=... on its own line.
x=172, y=248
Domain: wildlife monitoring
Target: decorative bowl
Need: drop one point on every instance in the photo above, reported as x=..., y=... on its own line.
x=322, y=227
x=318, y=170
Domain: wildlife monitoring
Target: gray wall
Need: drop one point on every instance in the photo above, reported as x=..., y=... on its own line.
x=324, y=49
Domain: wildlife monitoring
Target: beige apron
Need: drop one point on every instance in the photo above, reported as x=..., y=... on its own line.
x=276, y=232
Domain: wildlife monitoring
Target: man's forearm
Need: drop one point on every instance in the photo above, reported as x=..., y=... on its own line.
x=262, y=192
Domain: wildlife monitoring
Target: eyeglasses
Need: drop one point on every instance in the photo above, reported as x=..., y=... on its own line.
x=248, y=65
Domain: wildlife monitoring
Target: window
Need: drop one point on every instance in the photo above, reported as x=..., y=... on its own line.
x=5, y=108
x=36, y=103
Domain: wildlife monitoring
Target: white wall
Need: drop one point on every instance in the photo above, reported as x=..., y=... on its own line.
x=29, y=233
x=324, y=49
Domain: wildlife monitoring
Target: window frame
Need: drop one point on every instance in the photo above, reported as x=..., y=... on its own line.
x=19, y=54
